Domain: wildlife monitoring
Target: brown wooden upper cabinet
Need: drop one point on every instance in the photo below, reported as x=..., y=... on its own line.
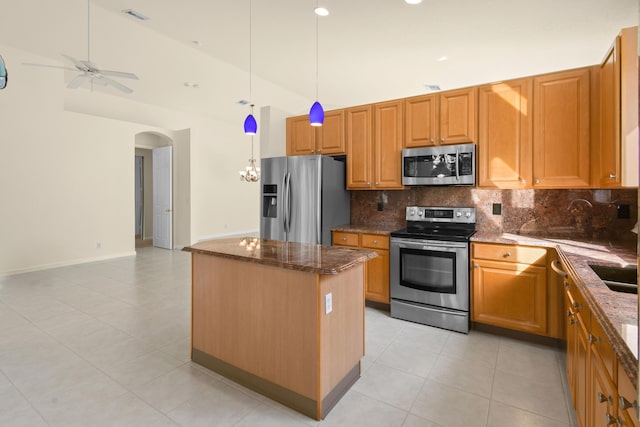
x=374, y=146
x=561, y=129
x=505, y=150
x=444, y=118
x=304, y=139
x=615, y=147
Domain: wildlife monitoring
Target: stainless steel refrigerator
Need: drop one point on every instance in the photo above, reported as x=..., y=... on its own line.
x=302, y=198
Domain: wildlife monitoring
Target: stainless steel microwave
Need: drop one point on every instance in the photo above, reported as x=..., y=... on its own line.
x=439, y=165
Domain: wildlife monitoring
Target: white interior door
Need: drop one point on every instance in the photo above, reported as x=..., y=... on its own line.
x=162, y=198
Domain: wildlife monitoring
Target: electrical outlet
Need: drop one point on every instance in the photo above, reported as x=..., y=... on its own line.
x=624, y=212
x=497, y=208
x=328, y=303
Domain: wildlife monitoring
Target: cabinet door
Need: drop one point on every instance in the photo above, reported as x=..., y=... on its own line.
x=561, y=130
x=571, y=329
x=607, y=156
x=458, y=122
x=504, y=146
x=510, y=295
x=301, y=136
x=359, y=148
x=331, y=135
x=377, y=278
x=421, y=126
x=580, y=398
x=602, y=394
x=387, y=141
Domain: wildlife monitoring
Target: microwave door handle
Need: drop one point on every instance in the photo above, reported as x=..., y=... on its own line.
x=457, y=164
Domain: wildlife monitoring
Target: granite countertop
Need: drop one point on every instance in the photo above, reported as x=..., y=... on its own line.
x=616, y=312
x=368, y=229
x=316, y=259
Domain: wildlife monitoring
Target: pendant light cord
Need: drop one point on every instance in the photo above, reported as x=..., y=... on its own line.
x=88, y=30
x=316, y=52
x=250, y=56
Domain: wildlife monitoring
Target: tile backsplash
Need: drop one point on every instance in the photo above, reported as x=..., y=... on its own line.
x=554, y=213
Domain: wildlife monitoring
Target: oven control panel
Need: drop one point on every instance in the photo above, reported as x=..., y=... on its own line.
x=441, y=214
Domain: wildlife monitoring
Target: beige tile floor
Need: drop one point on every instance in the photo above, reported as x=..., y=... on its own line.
x=107, y=344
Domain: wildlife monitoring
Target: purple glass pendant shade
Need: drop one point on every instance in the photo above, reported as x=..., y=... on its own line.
x=316, y=114
x=250, y=125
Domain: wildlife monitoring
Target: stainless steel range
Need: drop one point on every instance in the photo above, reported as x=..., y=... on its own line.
x=430, y=267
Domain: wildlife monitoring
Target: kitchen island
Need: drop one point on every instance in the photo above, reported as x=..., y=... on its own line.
x=283, y=319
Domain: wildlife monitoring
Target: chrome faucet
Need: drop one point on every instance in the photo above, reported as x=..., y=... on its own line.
x=579, y=200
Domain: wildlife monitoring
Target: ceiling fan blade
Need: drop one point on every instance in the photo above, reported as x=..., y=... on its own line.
x=79, y=65
x=115, y=84
x=76, y=82
x=29, y=64
x=119, y=74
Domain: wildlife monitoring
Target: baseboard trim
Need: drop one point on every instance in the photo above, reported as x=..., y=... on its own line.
x=523, y=336
x=76, y=261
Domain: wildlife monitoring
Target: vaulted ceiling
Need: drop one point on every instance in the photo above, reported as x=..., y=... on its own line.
x=368, y=50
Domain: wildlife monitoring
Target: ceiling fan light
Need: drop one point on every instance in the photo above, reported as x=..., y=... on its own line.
x=316, y=114
x=250, y=125
x=3, y=74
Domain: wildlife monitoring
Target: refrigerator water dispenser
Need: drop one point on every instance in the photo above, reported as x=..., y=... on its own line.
x=270, y=202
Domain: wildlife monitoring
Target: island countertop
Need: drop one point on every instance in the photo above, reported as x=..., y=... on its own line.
x=290, y=255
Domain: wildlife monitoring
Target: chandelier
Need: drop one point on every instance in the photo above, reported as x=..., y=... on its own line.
x=250, y=173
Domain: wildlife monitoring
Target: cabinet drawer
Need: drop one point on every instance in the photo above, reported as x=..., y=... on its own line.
x=345, y=239
x=577, y=304
x=600, y=342
x=510, y=253
x=628, y=400
x=375, y=241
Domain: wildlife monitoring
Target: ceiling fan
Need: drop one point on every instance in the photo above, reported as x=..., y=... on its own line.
x=90, y=71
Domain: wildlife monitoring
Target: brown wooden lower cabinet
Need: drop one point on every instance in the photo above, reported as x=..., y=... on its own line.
x=602, y=394
x=513, y=288
x=376, y=270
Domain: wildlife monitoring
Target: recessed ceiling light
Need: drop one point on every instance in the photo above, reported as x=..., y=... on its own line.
x=197, y=42
x=413, y=1
x=321, y=11
x=432, y=88
x=242, y=102
x=135, y=14
x=192, y=85
x=442, y=59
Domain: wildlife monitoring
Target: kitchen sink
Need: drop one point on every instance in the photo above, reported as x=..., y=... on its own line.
x=619, y=279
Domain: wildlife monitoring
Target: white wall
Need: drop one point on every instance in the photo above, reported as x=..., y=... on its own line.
x=66, y=178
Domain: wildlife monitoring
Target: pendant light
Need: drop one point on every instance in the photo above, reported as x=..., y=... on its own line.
x=250, y=124
x=316, y=114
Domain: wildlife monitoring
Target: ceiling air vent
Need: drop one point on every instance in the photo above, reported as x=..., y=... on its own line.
x=135, y=14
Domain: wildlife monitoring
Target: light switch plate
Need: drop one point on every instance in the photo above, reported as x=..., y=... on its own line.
x=328, y=303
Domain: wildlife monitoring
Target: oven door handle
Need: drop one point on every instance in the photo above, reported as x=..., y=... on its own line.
x=431, y=246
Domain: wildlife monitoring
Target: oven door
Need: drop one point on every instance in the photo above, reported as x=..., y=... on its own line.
x=430, y=272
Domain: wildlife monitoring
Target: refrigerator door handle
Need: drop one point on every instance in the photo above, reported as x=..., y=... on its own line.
x=284, y=202
x=287, y=201
x=319, y=206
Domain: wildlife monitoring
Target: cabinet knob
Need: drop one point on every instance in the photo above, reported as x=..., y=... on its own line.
x=602, y=398
x=610, y=419
x=344, y=239
x=577, y=305
x=536, y=181
x=476, y=266
x=507, y=254
x=432, y=140
x=441, y=139
x=375, y=242
x=625, y=404
x=377, y=183
x=522, y=181
x=594, y=339
x=572, y=320
x=570, y=313
x=612, y=176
